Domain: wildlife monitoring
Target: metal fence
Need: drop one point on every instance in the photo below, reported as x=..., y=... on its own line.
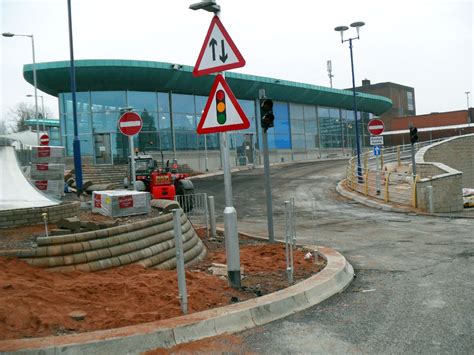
x=387, y=177
x=196, y=208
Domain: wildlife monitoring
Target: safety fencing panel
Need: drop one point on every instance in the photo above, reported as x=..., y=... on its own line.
x=387, y=177
x=195, y=206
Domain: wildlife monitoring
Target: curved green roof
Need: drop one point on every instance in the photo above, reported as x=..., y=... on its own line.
x=108, y=75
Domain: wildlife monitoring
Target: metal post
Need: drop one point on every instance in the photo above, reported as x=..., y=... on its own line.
x=36, y=87
x=230, y=220
x=206, y=159
x=76, y=142
x=132, y=161
x=413, y=164
x=377, y=175
x=45, y=219
x=288, y=242
x=359, y=168
x=268, y=188
x=178, y=242
x=212, y=215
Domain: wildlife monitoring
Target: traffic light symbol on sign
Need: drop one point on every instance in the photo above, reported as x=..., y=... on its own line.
x=266, y=114
x=413, y=135
x=220, y=107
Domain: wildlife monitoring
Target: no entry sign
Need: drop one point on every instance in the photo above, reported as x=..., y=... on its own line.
x=44, y=139
x=375, y=127
x=130, y=123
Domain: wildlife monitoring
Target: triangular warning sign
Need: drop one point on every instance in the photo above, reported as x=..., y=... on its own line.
x=222, y=112
x=218, y=52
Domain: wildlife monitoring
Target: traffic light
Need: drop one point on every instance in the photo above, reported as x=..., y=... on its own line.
x=266, y=114
x=220, y=107
x=413, y=135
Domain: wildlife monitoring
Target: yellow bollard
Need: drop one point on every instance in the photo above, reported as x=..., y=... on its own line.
x=366, y=161
x=415, y=180
x=399, y=161
x=366, y=183
x=353, y=175
x=386, y=187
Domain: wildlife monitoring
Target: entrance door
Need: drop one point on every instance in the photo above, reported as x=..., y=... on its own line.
x=103, y=149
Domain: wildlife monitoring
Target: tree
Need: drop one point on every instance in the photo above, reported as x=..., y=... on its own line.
x=22, y=112
x=3, y=127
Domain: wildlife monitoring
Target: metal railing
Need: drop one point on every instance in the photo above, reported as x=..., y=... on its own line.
x=387, y=177
x=196, y=208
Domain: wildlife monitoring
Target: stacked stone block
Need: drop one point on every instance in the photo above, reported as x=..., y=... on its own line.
x=47, y=169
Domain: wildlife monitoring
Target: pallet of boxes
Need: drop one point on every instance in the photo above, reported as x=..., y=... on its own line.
x=47, y=170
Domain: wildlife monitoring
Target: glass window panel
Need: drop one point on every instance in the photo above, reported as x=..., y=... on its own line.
x=103, y=101
x=185, y=121
x=282, y=120
x=334, y=113
x=311, y=126
x=297, y=126
x=163, y=102
x=296, y=112
x=200, y=103
x=164, y=121
x=185, y=139
x=298, y=141
x=105, y=121
x=82, y=102
x=183, y=103
x=141, y=101
x=323, y=111
x=309, y=112
x=311, y=141
x=282, y=141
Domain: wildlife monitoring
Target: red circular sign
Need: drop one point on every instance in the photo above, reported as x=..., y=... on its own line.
x=130, y=123
x=375, y=127
x=44, y=139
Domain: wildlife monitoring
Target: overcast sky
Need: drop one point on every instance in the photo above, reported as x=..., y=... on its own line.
x=424, y=44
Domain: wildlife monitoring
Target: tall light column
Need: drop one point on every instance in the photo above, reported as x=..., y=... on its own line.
x=9, y=34
x=341, y=30
x=42, y=110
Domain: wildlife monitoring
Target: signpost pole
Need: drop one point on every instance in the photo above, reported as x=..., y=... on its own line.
x=268, y=187
x=377, y=174
x=230, y=220
x=132, y=162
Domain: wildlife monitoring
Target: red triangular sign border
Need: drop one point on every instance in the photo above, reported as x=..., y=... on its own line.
x=241, y=61
x=224, y=128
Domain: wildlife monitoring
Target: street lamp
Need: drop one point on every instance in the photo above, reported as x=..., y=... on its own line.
x=469, y=120
x=9, y=34
x=42, y=110
x=341, y=30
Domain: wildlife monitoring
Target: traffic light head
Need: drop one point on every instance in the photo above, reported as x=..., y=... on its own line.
x=413, y=135
x=221, y=107
x=266, y=114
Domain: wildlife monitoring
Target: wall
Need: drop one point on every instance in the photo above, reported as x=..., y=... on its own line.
x=457, y=153
x=30, y=216
x=446, y=181
x=430, y=120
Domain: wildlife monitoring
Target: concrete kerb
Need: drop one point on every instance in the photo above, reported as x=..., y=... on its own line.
x=333, y=279
x=388, y=207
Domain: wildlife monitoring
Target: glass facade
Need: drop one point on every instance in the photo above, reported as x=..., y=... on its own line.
x=170, y=121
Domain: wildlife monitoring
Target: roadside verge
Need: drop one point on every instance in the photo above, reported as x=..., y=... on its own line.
x=334, y=278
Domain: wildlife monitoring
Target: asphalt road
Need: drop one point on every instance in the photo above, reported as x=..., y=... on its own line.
x=414, y=287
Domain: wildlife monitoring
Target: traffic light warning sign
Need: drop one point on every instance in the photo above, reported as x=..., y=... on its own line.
x=222, y=112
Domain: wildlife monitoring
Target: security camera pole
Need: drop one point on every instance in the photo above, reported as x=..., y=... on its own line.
x=222, y=113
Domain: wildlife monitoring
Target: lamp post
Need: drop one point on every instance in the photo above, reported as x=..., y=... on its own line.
x=341, y=30
x=230, y=214
x=9, y=34
x=42, y=110
x=469, y=120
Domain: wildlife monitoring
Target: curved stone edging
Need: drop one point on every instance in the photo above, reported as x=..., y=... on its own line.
x=149, y=243
x=334, y=278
